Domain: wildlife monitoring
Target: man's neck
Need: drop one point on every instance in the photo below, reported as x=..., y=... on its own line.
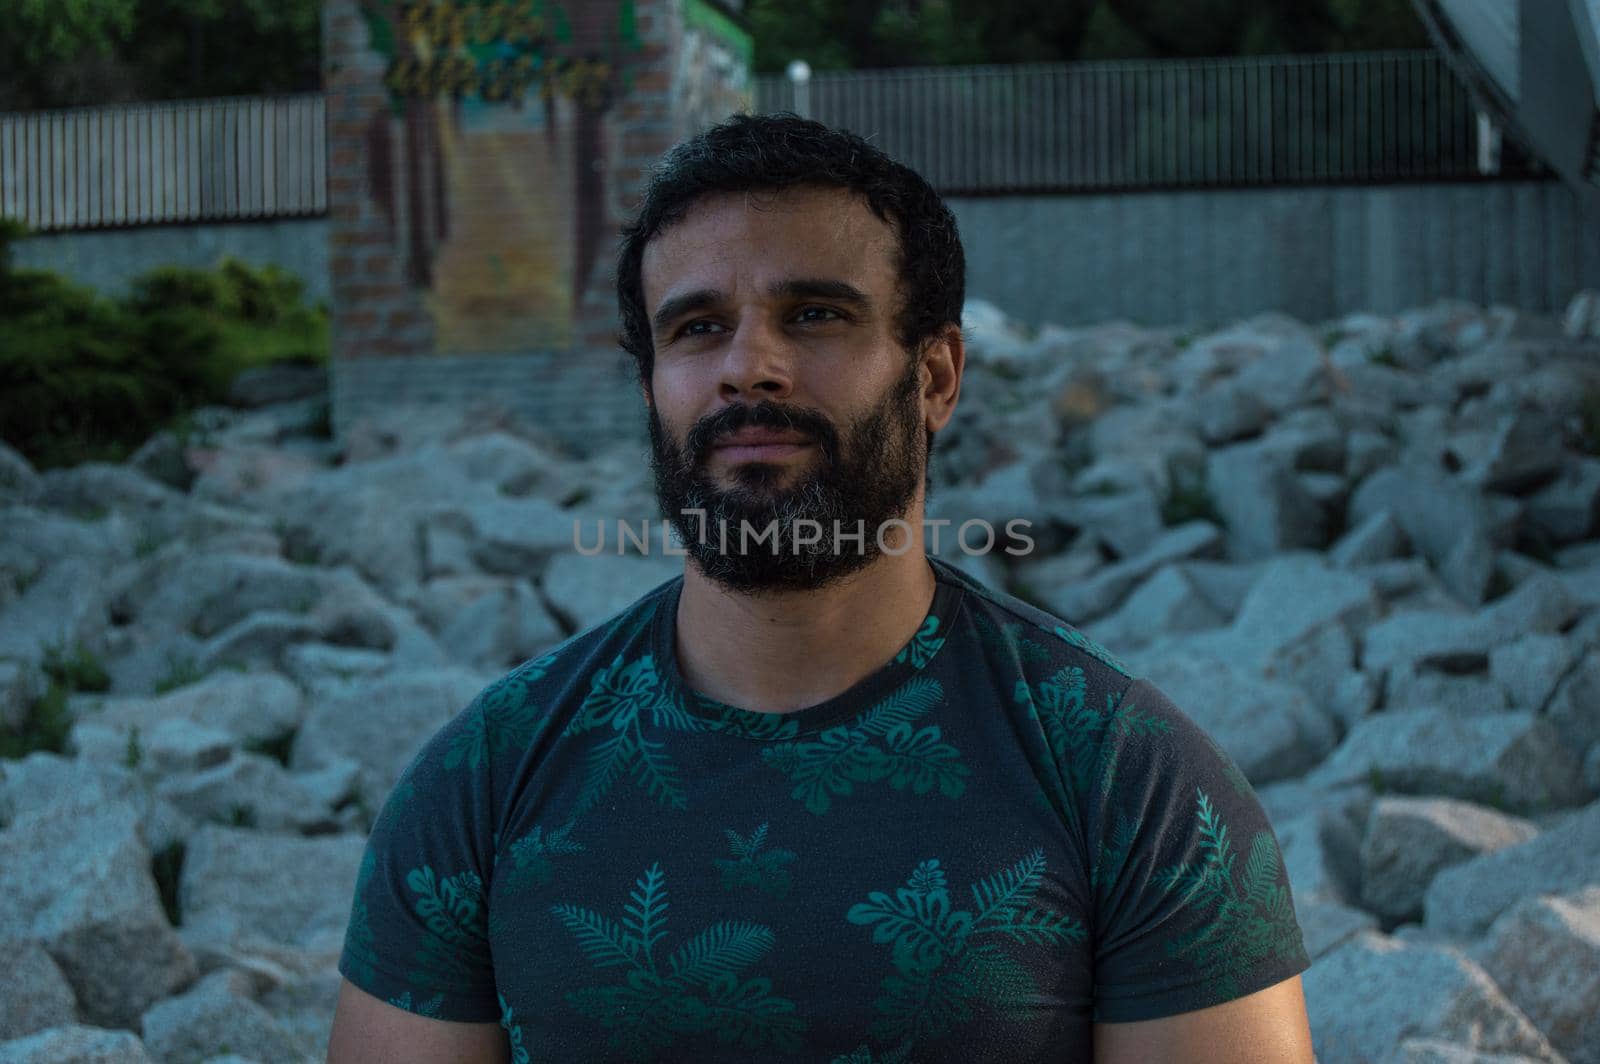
x=780, y=652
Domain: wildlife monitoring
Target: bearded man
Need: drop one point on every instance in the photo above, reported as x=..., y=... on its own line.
x=823, y=797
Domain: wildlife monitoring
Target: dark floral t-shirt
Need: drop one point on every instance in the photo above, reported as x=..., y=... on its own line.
x=991, y=843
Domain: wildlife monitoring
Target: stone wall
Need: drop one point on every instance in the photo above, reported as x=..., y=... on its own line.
x=108, y=259
x=1193, y=258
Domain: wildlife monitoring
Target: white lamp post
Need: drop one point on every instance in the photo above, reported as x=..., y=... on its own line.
x=800, y=86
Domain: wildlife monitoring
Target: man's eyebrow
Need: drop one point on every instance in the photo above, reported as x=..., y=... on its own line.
x=672, y=309
x=797, y=288
x=820, y=288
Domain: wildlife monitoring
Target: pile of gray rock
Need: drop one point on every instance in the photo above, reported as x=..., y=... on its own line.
x=1365, y=556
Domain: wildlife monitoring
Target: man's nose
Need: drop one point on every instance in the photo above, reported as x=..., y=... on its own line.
x=757, y=362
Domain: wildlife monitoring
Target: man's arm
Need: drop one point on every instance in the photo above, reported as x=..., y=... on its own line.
x=1267, y=1027
x=369, y=1030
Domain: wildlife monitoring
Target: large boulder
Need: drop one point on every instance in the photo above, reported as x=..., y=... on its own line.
x=1270, y=729
x=368, y=515
x=43, y=781
x=381, y=724
x=76, y=1044
x=1169, y=602
x=584, y=591
x=1467, y=898
x=1434, y=510
x=264, y=893
x=1081, y=600
x=261, y=792
x=510, y=537
x=251, y=707
x=1514, y=760
x=1524, y=452
x=1544, y=952
x=1568, y=509
x=77, y=881
x=1531, y=666
x=1265, y=507
x=64, y=608
x=1439, y=1051
x=1409, y=840
x=487, y=622
x=1571, y=709
x=34, y=995
x=1373, y=992
x=218, y=1014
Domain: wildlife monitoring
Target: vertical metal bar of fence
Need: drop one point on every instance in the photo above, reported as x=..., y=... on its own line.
x=146, y=165
x=1179, y=128
x=1208, y=144
x=196, y=163
x=168, y=160
x=9, y=181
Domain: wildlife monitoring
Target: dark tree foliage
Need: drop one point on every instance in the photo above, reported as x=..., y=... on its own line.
x=845, y=34
x=69, y=53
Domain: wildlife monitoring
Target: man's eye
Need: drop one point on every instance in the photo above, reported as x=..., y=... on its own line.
x=698, y=328
x=817, y=314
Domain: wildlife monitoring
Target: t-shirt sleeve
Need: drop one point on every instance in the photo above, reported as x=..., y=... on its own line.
x=418, y=931
x=1193, y=907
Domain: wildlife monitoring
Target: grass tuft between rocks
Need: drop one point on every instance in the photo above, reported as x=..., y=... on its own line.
x=47, y=722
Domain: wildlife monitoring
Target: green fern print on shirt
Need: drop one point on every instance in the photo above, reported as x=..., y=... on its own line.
x=863, y=1055
x=753, y=866
x=454, y=948
x=519, y=1052
x=1077, y=732
x=1252, y=917
x=532, y=855
x=946, y=960
x=1093, y=649
x=359, y=942
x=698, y=989
x=623, y=697
x=880, y=745
x=1008, y=639
x=923, y=645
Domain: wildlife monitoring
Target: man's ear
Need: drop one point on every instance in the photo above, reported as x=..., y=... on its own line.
x=943, y=359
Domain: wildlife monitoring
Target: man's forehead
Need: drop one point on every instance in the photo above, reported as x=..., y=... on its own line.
x=790, y=227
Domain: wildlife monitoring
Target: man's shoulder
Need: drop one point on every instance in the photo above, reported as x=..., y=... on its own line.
x=1027, y=633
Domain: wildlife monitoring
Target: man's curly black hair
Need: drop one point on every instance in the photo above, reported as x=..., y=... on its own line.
x=770, y=152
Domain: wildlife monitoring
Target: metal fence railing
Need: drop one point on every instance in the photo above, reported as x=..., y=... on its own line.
x=192, y=160
x=1284, y=120
x=1357, y=117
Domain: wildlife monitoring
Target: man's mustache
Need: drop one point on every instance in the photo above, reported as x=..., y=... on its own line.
x=765, y=414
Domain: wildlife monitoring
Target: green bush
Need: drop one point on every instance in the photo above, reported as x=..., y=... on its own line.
x=83, y=377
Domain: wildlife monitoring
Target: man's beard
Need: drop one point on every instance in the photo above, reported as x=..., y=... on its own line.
x=870, y=476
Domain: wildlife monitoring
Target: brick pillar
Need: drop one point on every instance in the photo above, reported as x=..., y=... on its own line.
x=474, y=202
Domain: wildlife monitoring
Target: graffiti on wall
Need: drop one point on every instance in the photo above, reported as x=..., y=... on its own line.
x=489, y=162
x=712, y=75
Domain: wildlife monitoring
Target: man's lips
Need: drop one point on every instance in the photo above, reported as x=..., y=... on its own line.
x=746, y=444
